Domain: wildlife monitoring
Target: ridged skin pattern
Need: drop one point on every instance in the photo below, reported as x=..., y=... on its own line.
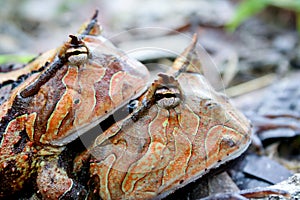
x=86, y=80
x=179, y=130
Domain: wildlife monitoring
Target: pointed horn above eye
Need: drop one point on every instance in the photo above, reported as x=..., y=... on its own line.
x=92, y=27
x=163, y=81
x=95, y=16
x=74, y=40
x=189, y=59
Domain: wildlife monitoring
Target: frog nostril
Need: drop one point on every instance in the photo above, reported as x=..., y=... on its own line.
x=228, y=142
x=132, y=105
x=210, y=105
x=76, y=101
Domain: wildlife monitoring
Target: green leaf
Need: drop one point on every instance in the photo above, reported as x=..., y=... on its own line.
x=9, y=58
x=293, y=5
x=298, y=22
x=246, y=9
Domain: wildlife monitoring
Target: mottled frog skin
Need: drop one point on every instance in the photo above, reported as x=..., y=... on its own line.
x=65, y=92
x=178, y=130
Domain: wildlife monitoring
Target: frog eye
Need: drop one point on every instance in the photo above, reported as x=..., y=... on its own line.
x=167, y=97
x=78, y=56
x=77, y=53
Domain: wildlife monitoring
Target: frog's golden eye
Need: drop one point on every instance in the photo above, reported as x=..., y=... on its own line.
x=167, y=97
x=78, y=55
x=77, y=52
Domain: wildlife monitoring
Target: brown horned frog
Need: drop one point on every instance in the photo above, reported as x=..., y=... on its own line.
x=178, y=130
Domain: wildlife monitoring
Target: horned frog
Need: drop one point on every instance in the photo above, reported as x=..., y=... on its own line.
x=178, y=130
x=65, y=92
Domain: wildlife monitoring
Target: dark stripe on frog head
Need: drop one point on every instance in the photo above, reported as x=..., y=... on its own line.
x=19, y=146
x=43, y=78
x=60, y=61
x=19, y=107
x=52, y=93
x=92, y=25
x=23, y=101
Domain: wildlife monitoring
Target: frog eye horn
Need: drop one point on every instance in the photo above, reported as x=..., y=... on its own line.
x=188, y=60
x=92, y=27
x=168, y=93
x=165, y=92
x=95, y=16
x=77, y=53
x=74, y=40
